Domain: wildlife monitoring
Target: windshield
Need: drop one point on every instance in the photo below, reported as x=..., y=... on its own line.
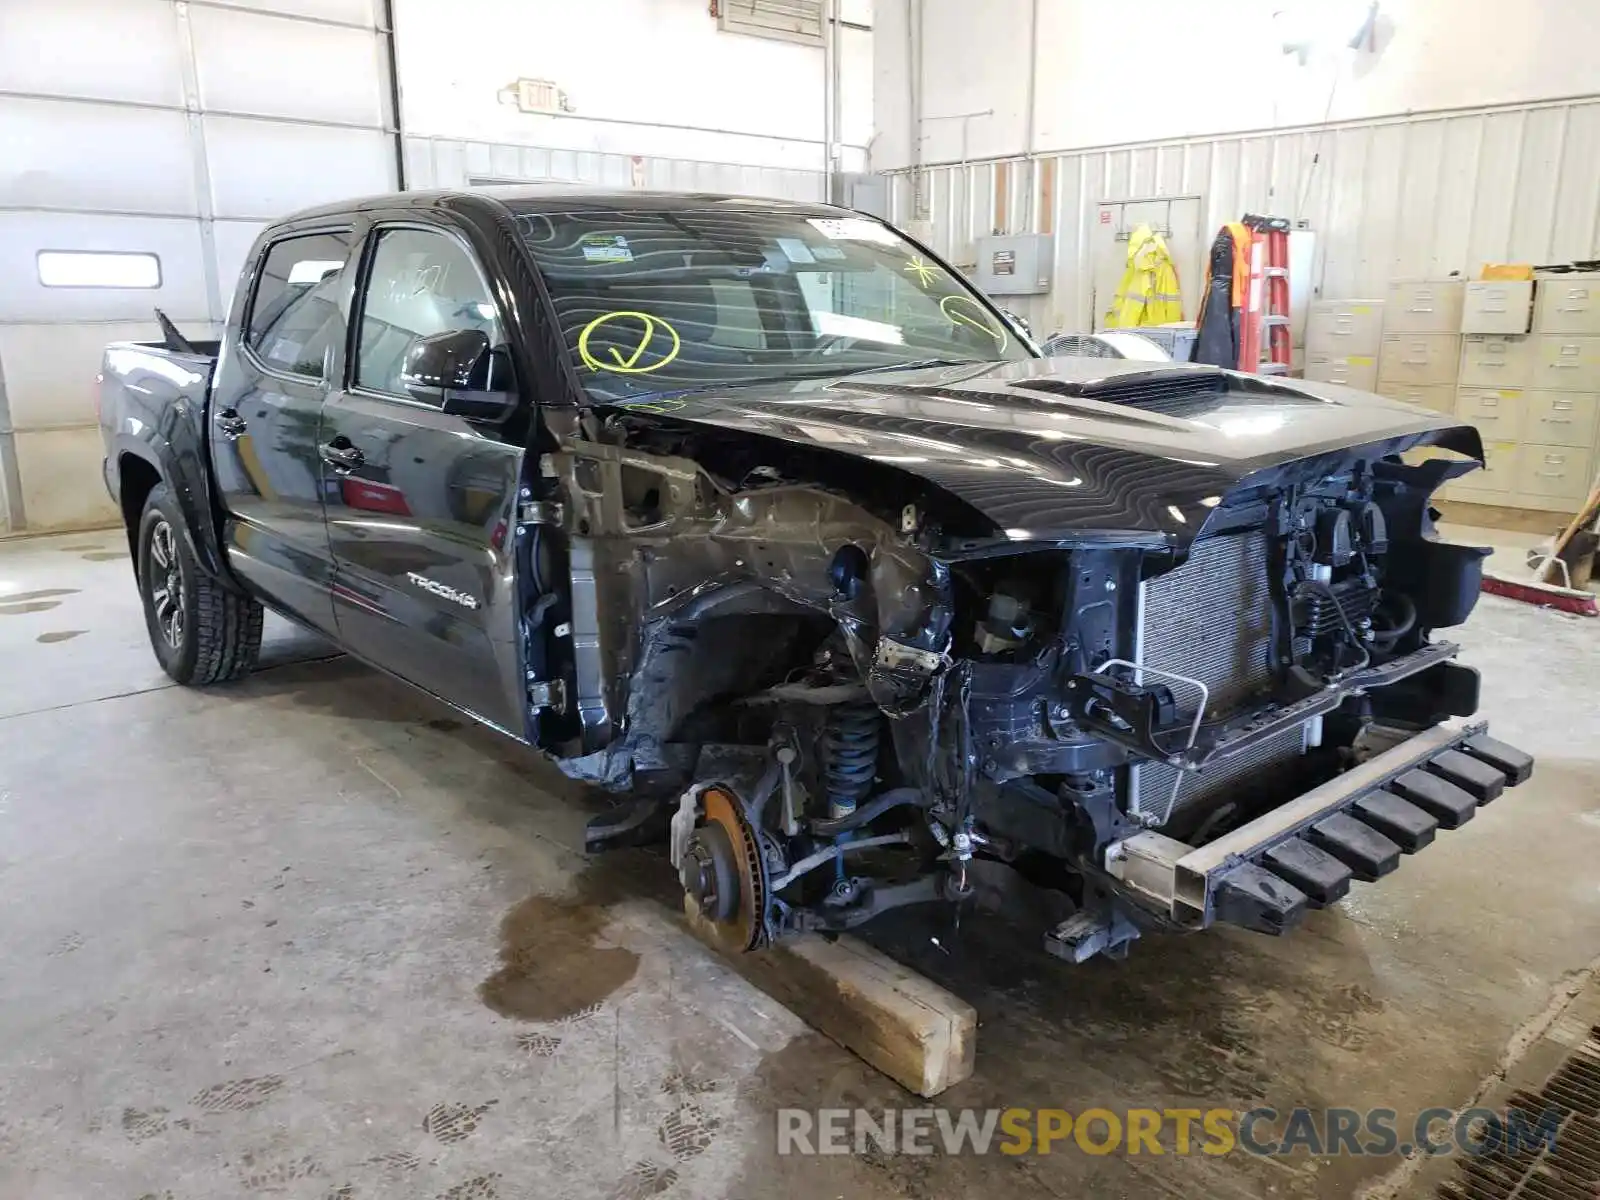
x=668, y=300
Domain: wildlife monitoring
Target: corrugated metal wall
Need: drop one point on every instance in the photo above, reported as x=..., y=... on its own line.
x=1392, y=199
x=451, y=162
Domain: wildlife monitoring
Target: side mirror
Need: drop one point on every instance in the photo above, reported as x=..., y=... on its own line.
x=454, y=371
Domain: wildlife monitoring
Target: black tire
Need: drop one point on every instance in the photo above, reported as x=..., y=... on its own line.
x=205, y=633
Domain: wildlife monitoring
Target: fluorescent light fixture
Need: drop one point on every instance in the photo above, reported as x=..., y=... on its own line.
x=98, y=269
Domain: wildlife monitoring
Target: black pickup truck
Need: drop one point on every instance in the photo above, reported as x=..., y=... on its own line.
x=756, y=513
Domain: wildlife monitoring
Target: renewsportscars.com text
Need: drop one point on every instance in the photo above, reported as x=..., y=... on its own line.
x=1163, y=1131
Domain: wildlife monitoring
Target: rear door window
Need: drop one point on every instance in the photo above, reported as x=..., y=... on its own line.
x=295, y=318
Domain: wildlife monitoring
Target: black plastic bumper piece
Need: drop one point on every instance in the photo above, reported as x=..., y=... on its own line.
x=1516, y=765
x=1321, y=876
x=1439, y=798
x=1355, y=825
x=1258, y=900
x=1360, y=847
x=1401, y=821
x=1473, y=775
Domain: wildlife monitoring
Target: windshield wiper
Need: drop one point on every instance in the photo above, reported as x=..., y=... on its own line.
x=918, y=364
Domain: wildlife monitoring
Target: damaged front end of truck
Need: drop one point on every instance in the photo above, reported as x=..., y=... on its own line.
x=1187, y=692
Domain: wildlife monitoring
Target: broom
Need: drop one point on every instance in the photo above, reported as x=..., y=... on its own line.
x=1541, y=589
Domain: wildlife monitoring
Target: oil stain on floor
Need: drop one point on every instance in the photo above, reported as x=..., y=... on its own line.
x=60, y=635
x=41, y=600
x=551, y=963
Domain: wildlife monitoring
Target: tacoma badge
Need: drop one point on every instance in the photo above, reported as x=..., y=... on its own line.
x=442, y=590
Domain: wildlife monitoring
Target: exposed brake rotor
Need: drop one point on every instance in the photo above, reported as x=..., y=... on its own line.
x=721, y=871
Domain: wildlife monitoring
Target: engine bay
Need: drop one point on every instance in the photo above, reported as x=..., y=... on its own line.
x=838, y=714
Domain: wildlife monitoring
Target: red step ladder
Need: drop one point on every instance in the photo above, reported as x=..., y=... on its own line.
x=1265, y=343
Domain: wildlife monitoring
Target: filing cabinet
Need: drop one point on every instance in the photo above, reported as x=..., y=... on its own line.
x=1496, y=361
x=1498, y=414
x=1440, y=397
x=1517, y=359
x=1565, y=362
x=1345, y=327
x=1558, y=475
x=1568, y=304
x=1560, y=418
x=1493, y=484
x=1424, y=306
x=1358, y=370
x=1497, y=306
x=1419, y=357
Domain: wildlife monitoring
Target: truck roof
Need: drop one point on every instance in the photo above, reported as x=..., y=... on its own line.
x=559, y=197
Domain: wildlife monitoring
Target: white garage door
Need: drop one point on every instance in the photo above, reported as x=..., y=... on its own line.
x=145, y=143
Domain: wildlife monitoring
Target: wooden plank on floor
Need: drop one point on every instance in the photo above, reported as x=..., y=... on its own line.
x=914, y=1031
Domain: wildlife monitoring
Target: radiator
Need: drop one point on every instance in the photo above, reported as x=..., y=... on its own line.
x=1211, y=620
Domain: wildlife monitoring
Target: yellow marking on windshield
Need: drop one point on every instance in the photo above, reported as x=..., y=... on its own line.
x=629, y=364
x=925, y=271
x=981, y=322
x=665, y=404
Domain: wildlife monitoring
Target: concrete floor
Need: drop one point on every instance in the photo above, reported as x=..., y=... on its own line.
x=306, y=936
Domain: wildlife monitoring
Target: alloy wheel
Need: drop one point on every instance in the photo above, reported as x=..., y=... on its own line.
x=166, y=583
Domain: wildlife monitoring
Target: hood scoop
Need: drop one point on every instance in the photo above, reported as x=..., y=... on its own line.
x=1172, y=393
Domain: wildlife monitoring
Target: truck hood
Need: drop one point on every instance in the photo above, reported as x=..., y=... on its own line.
x=1073, y=446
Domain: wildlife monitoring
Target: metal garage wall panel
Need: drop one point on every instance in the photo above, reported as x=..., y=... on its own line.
x=449, y=162
x=1533, y=211
x=1496, y=185
x=1419, y=193
x=278, y=67
x=104, y=49
x=60, y=472
x=50, y=369
x=1196, y=169
x=1255, y=174
x=232, y=240
x=176, y=242
x=166, y=127
x=1423, y=196
x=1573, y=233
x=1378, y=228
x=1222, y=185
x=267, y=169
x=1459, y=161
x=66, y=154
x=343, y=12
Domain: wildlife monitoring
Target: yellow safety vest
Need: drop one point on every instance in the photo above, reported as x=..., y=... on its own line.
x=1149, y=293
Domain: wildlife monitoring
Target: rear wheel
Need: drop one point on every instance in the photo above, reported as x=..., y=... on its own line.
x=201, y=632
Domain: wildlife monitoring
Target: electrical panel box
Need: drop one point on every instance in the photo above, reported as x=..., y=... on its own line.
x=1016, y=264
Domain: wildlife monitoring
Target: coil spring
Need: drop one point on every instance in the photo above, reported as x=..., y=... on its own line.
x=850, y=741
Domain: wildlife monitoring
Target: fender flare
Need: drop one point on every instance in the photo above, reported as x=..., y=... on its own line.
x=190, y=488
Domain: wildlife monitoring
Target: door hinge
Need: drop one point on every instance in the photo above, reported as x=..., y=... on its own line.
x=547, y=694
x=540, y=512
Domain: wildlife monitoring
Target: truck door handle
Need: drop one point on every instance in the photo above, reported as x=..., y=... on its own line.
x=230, y=423
x=341, y=455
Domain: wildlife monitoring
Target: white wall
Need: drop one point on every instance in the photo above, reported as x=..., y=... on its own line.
x=1387, y=199
x=653, y=78
x=1117, y=75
